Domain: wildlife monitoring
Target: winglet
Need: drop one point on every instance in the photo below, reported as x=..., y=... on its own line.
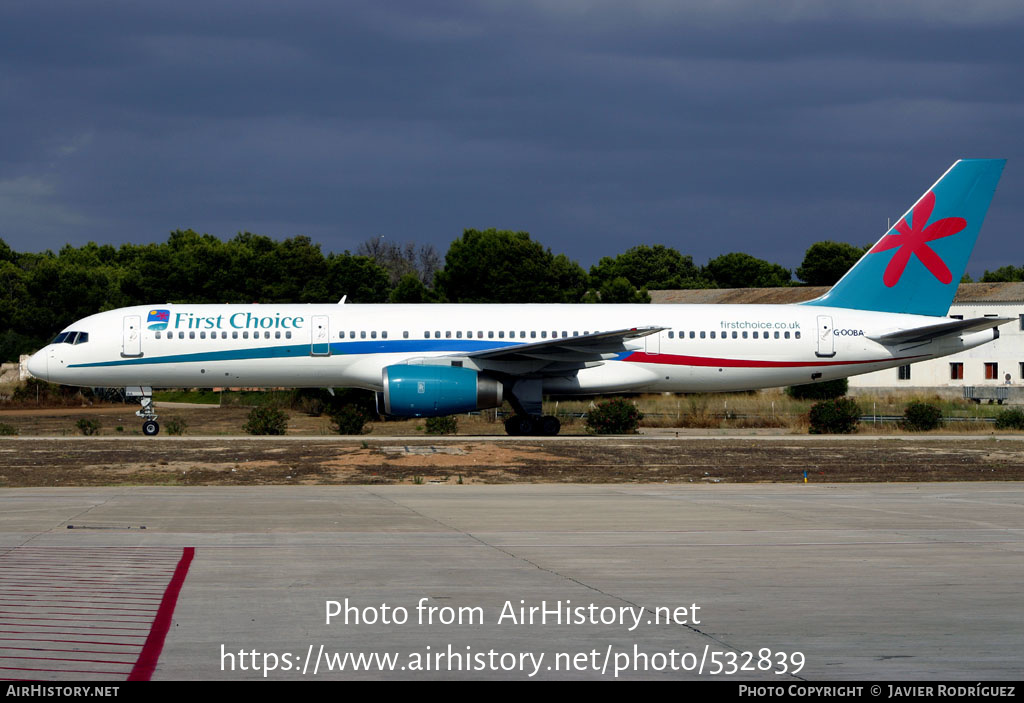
x=917, y=266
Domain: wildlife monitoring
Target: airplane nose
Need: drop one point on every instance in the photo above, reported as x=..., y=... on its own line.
x=37, y=365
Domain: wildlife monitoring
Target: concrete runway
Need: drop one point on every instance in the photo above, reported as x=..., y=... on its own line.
x=881, y=581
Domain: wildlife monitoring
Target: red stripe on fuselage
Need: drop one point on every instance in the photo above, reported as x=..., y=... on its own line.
x=679, y=360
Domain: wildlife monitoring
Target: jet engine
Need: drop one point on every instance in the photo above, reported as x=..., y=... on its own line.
x=431, y=391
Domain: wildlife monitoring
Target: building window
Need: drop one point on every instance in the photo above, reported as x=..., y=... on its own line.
x=905, y=372
x=991, y=371
x=956, y=371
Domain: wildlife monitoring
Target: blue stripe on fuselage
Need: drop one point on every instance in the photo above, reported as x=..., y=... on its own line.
x=378, y=346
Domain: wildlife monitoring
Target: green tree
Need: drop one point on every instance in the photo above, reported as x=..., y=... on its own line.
x=653, y=268
x=826, y=262
x=618, y=290
x=501, y=266
x=410, y=289
x=1004, y=274
x=738, y=270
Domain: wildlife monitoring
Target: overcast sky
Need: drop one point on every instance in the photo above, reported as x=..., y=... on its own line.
x=596, y=126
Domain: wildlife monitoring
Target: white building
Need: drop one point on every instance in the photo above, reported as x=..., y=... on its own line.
x=988, y=365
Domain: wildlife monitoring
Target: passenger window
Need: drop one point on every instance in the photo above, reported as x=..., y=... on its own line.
x=288, y=334
x=245, y=334
x=671, y=334
x=734, y=335
x=490, y=334
x=405, y=334
x=277, y=334
x=234, y=334
x=776, y=334
x=787, y=335
x=181, y=335
x=744, y=335
x=703, y=333
x=352, y=334
x=202, y=335
x=362, y=334
x=501, y=334
x=191, y=335
x=755, y=334
x=384, y=334
x=797, y=335
x=522, y=334
x=458, y=334
x=479, y=334
x=158, y=334
x=712, y=334
x=373, y=334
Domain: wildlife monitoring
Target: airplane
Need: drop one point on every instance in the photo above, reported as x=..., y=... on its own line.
x=889, y=310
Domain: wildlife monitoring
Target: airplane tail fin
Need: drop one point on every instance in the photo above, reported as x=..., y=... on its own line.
x=916, y=267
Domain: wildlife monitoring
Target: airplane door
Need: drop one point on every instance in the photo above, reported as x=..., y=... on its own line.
x=131, y=337
x=320, y=344
x=653, y=343
x=826, y=337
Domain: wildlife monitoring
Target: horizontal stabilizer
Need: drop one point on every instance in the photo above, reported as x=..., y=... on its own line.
x=943, y=329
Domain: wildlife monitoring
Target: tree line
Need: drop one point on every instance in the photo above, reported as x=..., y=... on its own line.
x=40, y=293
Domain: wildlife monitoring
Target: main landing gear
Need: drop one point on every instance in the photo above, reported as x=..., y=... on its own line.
x=150, y=426
x=525, y=395
x=522, y=425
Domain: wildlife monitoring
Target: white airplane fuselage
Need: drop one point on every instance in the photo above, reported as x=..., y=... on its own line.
x=702, y=348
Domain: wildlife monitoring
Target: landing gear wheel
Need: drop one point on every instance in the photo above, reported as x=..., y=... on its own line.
x=527, y=425
x=521, y=425
x=549, y=425
x=150, y=428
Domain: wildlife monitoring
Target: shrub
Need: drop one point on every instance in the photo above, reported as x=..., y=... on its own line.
x=266, y=419
x=615, y=416
x=922, y=417
x=6, y=429
x=449, y=424
x=87, y=426
x=1012, y=419
x=349, y=419
x=826, y=390
x=176, y=426
x=837, y=416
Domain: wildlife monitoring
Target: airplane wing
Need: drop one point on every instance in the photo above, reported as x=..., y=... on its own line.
x=553, y=356
x=943, y=329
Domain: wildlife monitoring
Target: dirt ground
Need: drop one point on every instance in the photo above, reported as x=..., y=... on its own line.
x=51, y=452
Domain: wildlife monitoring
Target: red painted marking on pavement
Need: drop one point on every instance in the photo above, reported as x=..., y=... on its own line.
x=146, y=665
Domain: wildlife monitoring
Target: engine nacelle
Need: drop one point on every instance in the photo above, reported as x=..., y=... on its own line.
x=432, y=391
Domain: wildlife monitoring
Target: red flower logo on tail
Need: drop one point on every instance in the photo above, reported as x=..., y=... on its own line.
x=914, y=240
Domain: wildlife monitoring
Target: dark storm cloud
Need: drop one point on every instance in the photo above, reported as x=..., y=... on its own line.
x=712, y=127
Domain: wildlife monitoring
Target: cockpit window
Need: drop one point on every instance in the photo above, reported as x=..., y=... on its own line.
x=71, y=338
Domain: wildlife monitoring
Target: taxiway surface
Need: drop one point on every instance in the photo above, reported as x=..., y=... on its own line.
x=880, y=581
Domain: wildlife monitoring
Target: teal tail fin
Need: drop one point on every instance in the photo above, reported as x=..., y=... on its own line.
x=916, y=267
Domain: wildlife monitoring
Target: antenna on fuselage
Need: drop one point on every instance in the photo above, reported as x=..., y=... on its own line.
x=342, y=301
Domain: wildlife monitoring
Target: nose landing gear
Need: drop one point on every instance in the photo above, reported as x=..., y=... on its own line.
x=150, y=426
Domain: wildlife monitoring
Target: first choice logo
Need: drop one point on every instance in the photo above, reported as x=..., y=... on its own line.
x=238, y=321
x=848, y=333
